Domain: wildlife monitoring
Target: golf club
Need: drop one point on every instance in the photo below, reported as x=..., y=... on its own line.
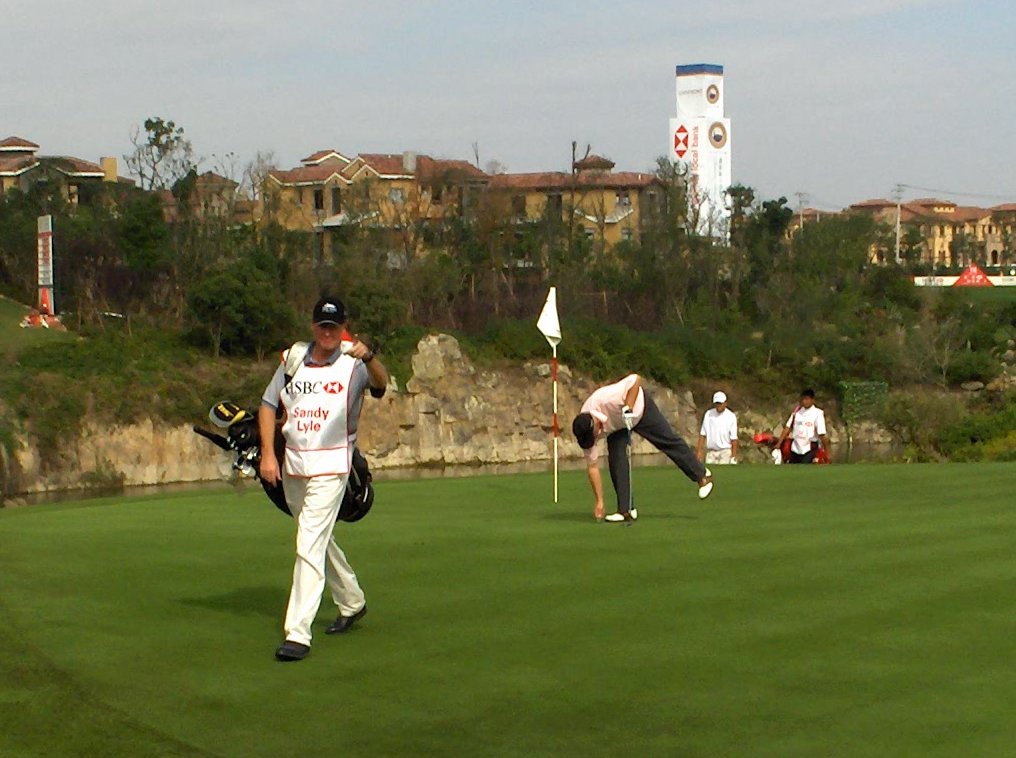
x=631, y=485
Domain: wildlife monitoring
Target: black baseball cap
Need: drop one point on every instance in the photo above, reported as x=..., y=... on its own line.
x=329, y=310
x=583, y=429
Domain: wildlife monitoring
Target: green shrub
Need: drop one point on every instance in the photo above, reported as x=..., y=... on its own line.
x=918, y=418
x=861, y=401
x=972, y=365
x=982, y=436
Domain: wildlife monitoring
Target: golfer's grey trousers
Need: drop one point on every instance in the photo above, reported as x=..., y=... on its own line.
x=654, y=427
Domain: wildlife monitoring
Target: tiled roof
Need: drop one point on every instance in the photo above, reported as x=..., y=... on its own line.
x=211, y=179
x=11, y=165
x=875, y=203
x=914, y=212
x=966, y=213
x=926, y=212
x=1005, y=208
x=385, y=164
x=559, y=180
x=594, y=163
x=17, y=144
x=322, y=155
x=315, y=174
x=73, y=166
x=454, y=170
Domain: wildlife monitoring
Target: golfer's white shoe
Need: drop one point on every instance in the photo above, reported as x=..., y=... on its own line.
x=618, y=517
x=705, y=489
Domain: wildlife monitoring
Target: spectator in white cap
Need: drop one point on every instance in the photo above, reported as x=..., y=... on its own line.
x=717, y=442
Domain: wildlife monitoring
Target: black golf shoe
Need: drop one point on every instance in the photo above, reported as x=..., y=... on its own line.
x=342, y=623
x=292, y=651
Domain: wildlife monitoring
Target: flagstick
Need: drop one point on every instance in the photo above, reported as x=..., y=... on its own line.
x=553, y=369
x=550, y=328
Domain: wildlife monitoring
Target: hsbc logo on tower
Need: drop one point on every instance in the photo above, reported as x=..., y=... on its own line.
x=681, y=141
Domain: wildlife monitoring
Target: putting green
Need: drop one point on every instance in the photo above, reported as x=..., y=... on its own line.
x=833, y=610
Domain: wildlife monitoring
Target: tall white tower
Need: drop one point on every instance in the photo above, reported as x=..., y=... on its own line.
x=700, y=139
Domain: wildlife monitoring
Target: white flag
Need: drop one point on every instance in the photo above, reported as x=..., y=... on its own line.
x=548, y=324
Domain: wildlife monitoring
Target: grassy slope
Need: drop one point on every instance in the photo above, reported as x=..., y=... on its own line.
x=863, y=610
x=13, y=337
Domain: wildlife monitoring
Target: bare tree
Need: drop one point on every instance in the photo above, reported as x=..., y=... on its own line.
x=494, y=167
x=162, y=155
x=255, y=173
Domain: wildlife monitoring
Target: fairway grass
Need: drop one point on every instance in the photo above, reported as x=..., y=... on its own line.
x=819, y=611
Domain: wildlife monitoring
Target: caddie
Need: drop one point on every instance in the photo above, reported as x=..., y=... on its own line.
x=318, y=390
x=807, y=429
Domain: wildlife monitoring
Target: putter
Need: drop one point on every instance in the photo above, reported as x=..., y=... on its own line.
x=631, y=485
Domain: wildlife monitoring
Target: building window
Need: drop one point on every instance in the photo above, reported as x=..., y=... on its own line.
x=72, y=194
x=319, y=199
x=397, y=195
x=622, y=198
x=589, y=232
x=437, y=194
x=336, y=200
x=626, y=234
x=519, y=205
x=554, y=203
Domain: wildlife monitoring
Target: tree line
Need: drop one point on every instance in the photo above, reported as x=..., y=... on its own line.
x=808, y=306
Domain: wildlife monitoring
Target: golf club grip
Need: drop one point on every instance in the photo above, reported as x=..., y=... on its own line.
x=217, y=439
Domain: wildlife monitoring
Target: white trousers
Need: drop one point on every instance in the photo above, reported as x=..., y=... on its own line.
x=319, y=560
x=718, y=456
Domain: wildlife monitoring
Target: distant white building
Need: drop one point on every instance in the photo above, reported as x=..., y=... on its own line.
x=700, y=139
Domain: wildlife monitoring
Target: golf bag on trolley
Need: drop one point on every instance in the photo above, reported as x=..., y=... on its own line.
x=781, y=453
x=242, y=438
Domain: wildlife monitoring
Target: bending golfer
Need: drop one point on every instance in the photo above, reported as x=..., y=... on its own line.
x=614, y=412
x=320, y=392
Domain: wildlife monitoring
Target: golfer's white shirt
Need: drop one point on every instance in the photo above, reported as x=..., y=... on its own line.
x=806, y=424
x=719, y=429
x=605, y=406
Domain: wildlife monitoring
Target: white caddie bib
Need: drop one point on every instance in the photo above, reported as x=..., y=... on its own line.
x=316, y=428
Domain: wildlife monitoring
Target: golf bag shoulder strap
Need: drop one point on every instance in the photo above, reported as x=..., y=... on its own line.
x=293, y=357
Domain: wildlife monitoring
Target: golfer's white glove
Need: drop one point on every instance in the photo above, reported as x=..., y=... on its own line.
x=629, y=418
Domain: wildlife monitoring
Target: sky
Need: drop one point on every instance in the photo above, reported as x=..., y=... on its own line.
x=831, y=102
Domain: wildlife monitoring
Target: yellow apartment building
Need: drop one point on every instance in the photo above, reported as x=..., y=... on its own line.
x=950, y=234
x=399, y=193
x=608, y=206
x=22, y=168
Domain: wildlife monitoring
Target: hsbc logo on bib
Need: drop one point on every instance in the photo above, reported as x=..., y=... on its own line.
x=312, y=388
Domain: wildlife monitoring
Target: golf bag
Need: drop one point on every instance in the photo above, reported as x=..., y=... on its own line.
x=781, y=453
x=243, y=440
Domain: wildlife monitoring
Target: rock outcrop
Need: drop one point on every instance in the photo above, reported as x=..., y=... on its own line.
x=450, y=413
x=453, y=413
